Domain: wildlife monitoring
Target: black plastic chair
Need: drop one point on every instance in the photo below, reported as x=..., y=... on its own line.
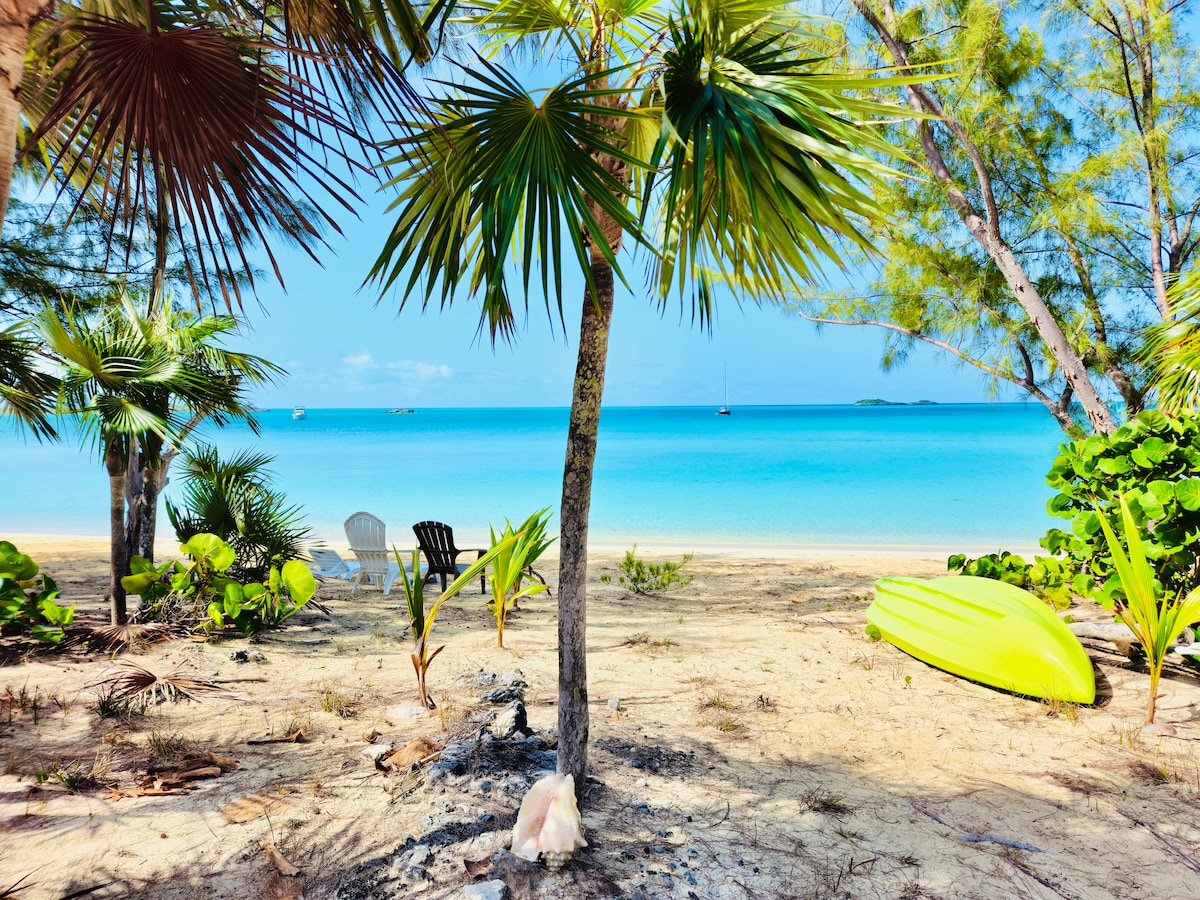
x=436, y=542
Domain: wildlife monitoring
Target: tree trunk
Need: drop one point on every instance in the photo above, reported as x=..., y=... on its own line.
x=573, y=522
x=986, y=228
x=16, y=17
x=135, y=498
x=154, y=479
x=119, y=563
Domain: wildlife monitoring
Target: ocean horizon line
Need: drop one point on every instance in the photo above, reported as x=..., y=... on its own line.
x=854, y=404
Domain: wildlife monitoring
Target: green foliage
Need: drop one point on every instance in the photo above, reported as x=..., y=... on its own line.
x=510, y=566
x=643, y=577
x=735, y=150
x=1154, y=462
x=1056, y=112
x=202, y=594
x=233, y=499
x=1044, y=577
x=421, y=620
x=1140, y=603
x=27, y=599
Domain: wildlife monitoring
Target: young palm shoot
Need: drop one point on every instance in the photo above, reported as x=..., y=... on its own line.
x=1155, y=623
x=421, y=620
x=509, y=568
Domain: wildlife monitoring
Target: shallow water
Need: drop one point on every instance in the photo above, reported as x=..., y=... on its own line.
x=968, y=475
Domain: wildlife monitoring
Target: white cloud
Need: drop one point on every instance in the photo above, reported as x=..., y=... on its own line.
x=359, y=362
x=414, y=370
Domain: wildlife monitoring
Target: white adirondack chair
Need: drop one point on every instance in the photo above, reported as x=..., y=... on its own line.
x=377, y=564
x=329, y=564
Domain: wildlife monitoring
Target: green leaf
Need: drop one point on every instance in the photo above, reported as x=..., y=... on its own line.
x=140, y=583
x=211, y=549
x=1187, y=492
x=233, y=599
x=299, y=581
x=1151, y=452
x=1118, y=465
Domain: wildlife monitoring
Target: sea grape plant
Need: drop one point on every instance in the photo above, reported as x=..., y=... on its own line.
x=512, y=566
x=1156, y=617
x=1154, y=462
x=1044, y=577
x=201, y=593
x=27, y=598
x=421, y=620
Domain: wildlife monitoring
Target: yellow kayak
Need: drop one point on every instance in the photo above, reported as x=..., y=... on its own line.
x=984, y=630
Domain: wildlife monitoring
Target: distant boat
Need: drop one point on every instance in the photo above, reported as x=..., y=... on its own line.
x=299, y=413
x=725, y=410
x=401, y=411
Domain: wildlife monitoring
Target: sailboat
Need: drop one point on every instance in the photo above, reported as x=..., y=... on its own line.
x=725, y=410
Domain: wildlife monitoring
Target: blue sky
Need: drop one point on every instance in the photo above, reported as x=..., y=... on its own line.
x=341, y=349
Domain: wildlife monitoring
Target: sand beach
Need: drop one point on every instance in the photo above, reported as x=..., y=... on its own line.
x=747, y=741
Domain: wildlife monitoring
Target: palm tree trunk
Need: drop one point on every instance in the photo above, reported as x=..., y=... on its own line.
x=154, y=478
x=573, y=522
x=16, y=17
x=119, y=562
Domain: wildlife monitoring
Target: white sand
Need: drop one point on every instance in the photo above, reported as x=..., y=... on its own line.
x=792, y=757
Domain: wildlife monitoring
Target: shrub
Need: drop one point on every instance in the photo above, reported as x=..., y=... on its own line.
x=201, y=594
x=27, y=599
x=643, y=577
x=1044, y=577
x=233, y=499
x=1154, y=461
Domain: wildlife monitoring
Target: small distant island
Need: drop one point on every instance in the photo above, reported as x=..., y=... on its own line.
x=400, y=412
x=875, y=401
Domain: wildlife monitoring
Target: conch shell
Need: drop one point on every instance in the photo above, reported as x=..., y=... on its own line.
x=548, y=823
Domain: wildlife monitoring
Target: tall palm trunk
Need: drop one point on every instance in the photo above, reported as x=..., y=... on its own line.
x=573, y=522
x=115, y=463
x=146, y=477
x=16, y=17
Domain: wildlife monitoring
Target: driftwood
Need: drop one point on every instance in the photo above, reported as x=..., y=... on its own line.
x=1118, y=633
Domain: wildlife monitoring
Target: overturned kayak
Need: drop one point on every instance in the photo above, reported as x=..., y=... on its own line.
x=984, y=630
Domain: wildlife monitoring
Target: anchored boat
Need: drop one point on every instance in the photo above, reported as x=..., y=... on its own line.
x=985, y=630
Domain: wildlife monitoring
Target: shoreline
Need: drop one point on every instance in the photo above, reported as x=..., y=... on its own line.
x=602, y=548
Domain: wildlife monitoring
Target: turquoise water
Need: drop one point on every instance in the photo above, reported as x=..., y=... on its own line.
x=965, y=475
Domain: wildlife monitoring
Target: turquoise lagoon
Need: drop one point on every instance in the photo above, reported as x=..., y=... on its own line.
x=969, y=476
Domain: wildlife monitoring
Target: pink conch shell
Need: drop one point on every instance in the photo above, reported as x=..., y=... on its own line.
x=548, y=823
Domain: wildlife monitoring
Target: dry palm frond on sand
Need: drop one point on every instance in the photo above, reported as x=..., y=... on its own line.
x=120, y=637
x=136, y=682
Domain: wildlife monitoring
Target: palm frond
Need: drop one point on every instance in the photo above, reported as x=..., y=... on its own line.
x=136, y=682
x=500, y=182
x=26, y=392
x=201, y=117
x=1172, y=349
x=764, y=155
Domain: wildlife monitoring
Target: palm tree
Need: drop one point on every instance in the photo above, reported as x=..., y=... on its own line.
x=139, y=385
x=710, y=133
x=209, y=123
